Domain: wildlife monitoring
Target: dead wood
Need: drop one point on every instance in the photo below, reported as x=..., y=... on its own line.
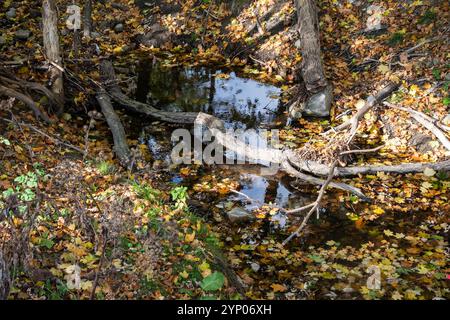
x=118, y=132
x=425, y=121
x=25, y=99
x=289, y=160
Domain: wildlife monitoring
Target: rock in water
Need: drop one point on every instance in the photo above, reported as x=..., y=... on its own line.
x=319, y=104
x=295, y=111
x=22, y=34
x=238, y=214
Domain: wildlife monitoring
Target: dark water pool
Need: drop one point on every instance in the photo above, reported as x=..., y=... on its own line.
x=240, y=102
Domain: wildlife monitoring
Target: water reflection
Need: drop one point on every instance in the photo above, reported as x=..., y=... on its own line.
x=268, y=190
x=241, y=103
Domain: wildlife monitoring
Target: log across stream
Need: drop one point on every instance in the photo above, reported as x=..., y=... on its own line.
x=241, y=103
x=244, y=103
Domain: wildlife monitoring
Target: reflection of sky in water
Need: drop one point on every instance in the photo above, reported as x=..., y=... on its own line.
x=245, y=96
x=256, y=186
x=240, y=103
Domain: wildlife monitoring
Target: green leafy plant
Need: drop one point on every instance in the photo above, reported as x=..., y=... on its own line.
x=213, y=282
x=26, y=184
x=180, y=196
x=436, y=74
x=4, y=141
x=146, y=192
x=46, y=242
x=105, y=168
x=446, y=101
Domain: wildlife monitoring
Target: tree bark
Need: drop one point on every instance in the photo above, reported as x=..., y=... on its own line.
x=87, y=18
x=52, y=48
x=118, y=132
x=308, y=27
x=5, y=279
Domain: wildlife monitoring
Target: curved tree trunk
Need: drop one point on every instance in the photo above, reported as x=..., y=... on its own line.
x=52, y=48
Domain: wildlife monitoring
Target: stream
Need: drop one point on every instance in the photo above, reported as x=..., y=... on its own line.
x=243, y=103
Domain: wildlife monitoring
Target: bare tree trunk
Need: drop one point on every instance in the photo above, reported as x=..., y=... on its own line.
x=51, y=46
x=87, y=18
x=312, y=70
x=308, y=28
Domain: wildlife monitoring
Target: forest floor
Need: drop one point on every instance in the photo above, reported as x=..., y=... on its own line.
x=75, y=225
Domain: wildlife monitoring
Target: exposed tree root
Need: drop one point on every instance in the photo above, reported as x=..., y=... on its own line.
x=25, y=99
x=120, y=140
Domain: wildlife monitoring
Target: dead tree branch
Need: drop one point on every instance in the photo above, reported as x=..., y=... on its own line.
x=120, y=140
x=315, y=205
x=55, y=140
x=424, y=120
x=27, y=100
x=369, y=104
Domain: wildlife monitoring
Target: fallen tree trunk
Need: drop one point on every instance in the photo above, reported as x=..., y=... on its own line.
x=52, y=48
x=322, y=169
x=120, y=140
x=288, y=160
x=216, y=126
